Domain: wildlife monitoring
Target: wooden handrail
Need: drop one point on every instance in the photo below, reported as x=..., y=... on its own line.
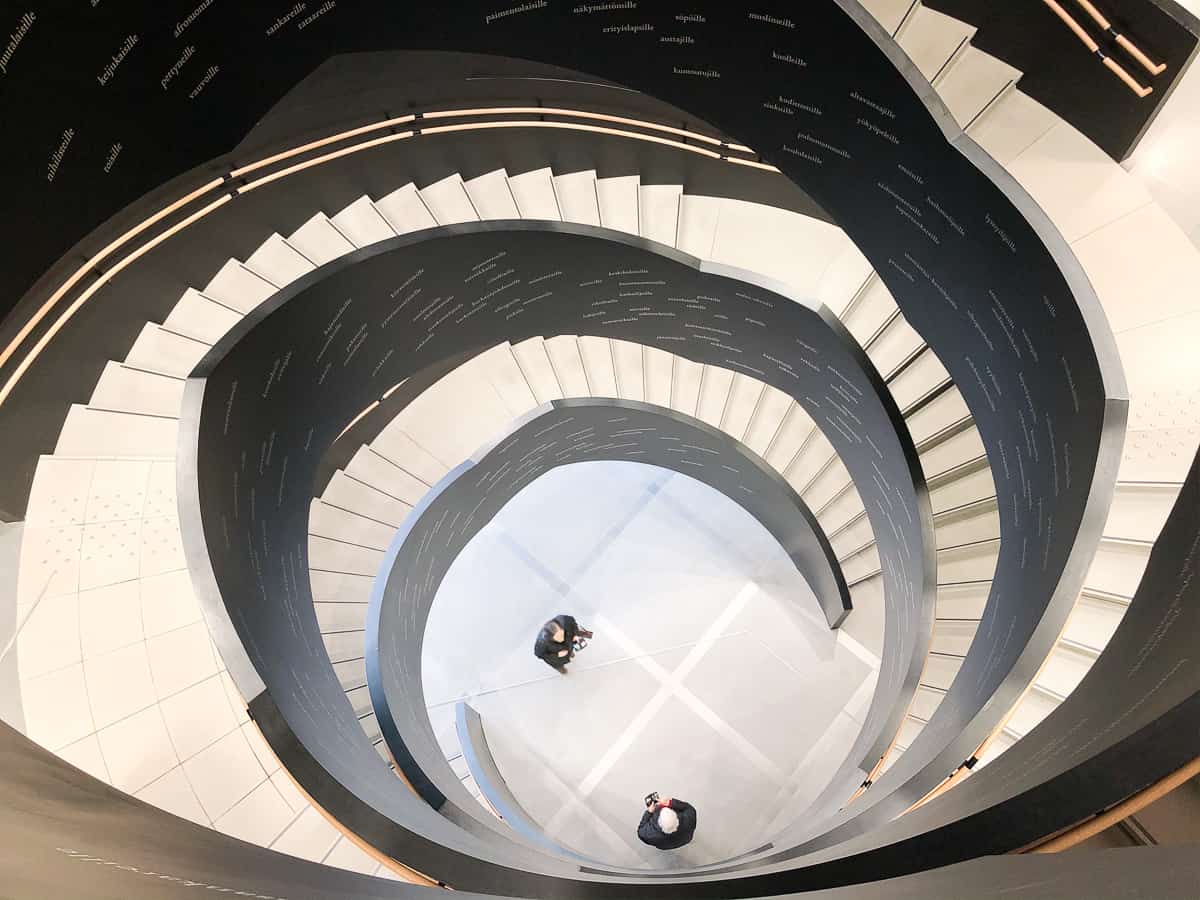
x=1128, y=45
x=1088, y=41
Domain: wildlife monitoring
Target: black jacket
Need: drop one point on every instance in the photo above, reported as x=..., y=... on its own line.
x=651, y=834
x=547, y=649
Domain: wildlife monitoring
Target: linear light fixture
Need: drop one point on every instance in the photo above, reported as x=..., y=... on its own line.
x=1111, y=64
x=1133, y=50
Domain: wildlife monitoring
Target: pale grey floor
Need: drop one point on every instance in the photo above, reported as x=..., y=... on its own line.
x=711, y=676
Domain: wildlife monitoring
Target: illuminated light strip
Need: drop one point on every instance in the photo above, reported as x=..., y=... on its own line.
x=751, y=163
x=579, y=114
x=84, y=269
x=392, y=390
x=574, y=126
x=357, y=418
x=1091, y=44
x=323, y=142
x=1130, y=48
x=318, y=160
x=99, y=283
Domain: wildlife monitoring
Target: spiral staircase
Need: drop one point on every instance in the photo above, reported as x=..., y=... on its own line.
x=142, y=671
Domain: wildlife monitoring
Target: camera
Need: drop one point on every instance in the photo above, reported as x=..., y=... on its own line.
x=651, y=799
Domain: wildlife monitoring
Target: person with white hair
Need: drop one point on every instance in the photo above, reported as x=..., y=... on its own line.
x=667, y=824
x=558, y=640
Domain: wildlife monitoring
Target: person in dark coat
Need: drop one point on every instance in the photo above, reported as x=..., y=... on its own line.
x=558, y=640
x=667, y=824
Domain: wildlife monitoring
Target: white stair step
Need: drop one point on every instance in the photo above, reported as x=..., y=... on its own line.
x=122, y=389
x=698, y=220
x=931, y=38
x=238, y=288
x=330, y=521
x=1012, y=125
x=870, y=311
x=952, y=452
x=507, y=379
x=658, y=212
x=999, y=744
x=744, y=395
x=278, y=261
x=909, y=729
x=847, y=273
x=773, y=405
x=1117, y=567
x=362, y=223
x=925, y=702
x=808, y=461
x=539, y=373
x=1093, y=621
x=922, y=376
x=686, y=376
x=200, y=317
x=898, y=343
x=405, y=211
x=979, y=522
x=953, y=637
x=351, y=674
x=974, y=485
x=975, y=562
x=1034, y=707
x=962, y=601
x=379, y=472
x=157, y=349
x=842, y=510
x=973, y=81
x=627, y=365
x=861, y=564
x=394, y=444
x=335, y=556
x=567, y=364
x=1063, y=670
x=796, y=428
x=534, y=195
x=491, y=197
x=1139, y=510
x=714, y=395
x=658, y=369
x=598, y=364
x=95, y=433
x=889, y=13
x=448, y=201
x=940, y=671
x=777, y=243
x=456, y=415
x=849, y=539
x=576, y=192
x=319, y=240
x=618, y=199
x=947, y=411
x=826, y=485
x=351, y=592
x=348, y=493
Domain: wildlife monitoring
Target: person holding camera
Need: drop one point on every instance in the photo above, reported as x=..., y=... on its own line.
x=558, y=640
x=667, y=824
